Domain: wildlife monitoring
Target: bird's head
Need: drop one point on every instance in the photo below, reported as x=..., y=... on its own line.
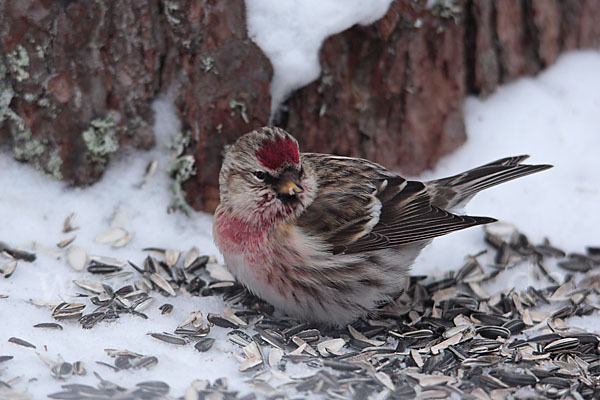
x=263, y=180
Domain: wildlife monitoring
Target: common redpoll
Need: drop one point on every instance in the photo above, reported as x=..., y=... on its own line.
x=327, y=238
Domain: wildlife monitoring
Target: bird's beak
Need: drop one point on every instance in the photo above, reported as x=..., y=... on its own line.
x=289, y=188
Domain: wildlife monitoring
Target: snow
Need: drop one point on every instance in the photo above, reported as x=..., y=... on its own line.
x=554, y=117
x=291, y=34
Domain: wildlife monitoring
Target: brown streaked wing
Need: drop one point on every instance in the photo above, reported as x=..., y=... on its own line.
x=409, y=217
x=350, y=190
x=347, y=203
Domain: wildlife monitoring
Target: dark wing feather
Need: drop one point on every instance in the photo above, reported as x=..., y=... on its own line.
x=372, y=209
x=346, y=206
x=410, y=217
x=458, y=189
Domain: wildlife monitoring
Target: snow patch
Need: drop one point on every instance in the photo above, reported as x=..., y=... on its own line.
x=291, y=33
x=554, y=117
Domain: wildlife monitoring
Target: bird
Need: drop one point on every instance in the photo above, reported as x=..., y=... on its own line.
x=329, y=239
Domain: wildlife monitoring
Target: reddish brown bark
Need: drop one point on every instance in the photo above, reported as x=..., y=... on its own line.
x=391, y=92
x=395, y=89
x=66, y=66
x=222, y=86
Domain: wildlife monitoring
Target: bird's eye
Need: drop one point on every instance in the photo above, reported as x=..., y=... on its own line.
x=260, y=175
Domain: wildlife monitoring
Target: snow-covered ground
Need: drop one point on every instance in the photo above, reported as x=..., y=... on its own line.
x=554, y=117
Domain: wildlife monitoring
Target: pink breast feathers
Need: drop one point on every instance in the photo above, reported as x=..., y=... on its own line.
x=273, y=154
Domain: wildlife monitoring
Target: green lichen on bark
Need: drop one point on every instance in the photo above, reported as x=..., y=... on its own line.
x=40, y=50
x=25, y=148
x=18, y=61
x=446, y=9
x=179, y=143
x=101, y=139
x=6, y=94
x=54, y=165
x=181, y=169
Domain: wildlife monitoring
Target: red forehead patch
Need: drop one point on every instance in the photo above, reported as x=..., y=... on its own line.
x=275, y=153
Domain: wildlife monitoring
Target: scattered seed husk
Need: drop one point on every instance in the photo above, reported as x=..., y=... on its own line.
x=122, y=242
x=204, y=344
x=65, y=242
x=142, y=304
x=104, y=260
x=453, y=331
x=88, y=321
x=90, y=286
x=9, y=268
x=253, y=357
x=446, y=343
x=68, y=224
x=145, y=362
x=100, y=268
x=223, y=322
x=427, y=380
x=575, y=265
x=190, y=256
x=416, y=358
x=149, y=172
x=21, y=342
x=493, y=332
x=240, y=338
x=62, y=370
x=359, y=336
x=77, y=257
x=161, y=283
x=275, y=356
x=171, y=257
x=417, y=334
x=447, y=336
x=219, y=272
x=168, y=338
x=65, y=310
x=197, y=264
x=156, y=387
x=230, y=315
x=16, y=254
x=166, y=309
x=49, y=325
x=516, y=379
x=112, y=367
x=111, y=236
x=561, y=344
x=221, y=285
x=550, y=251
x=193, y=333
x=194, y=315
x=309, y=335
x=331, y=347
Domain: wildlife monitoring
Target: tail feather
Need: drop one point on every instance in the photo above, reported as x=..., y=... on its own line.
x=514, y=160
x=515, y=172
x=464, y=186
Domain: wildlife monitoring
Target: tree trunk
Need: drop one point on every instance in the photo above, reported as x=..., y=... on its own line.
x=77, y=78
x=392, y=92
